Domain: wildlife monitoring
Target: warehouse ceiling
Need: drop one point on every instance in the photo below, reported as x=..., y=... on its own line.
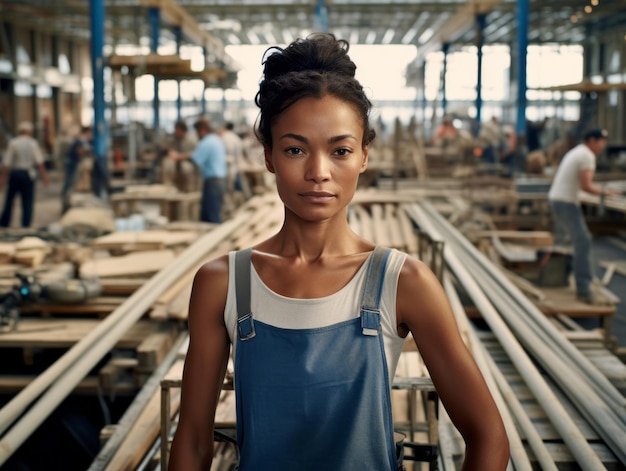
x=424, y=23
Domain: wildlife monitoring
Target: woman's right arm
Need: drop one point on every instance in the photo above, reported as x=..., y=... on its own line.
x=205, y=367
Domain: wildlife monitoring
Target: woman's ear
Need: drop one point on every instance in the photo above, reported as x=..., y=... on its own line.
x=366, y=152
x=268, y=159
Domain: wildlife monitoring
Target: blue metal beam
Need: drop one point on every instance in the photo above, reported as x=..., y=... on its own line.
x=203, y=98
x=154, y=18
x=481, y=21
x=178, y=34
x=99, y=177
x=522, y=46
x=444, y=97
x=320, y=20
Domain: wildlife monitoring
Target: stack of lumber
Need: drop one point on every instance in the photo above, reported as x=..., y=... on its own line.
x=121, y=262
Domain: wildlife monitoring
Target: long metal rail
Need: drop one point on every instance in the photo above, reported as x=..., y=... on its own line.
x=499, y=301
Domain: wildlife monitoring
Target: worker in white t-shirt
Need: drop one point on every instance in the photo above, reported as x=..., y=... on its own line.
x=575, y=173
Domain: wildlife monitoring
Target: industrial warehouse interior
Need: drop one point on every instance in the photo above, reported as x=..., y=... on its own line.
x=499, y=162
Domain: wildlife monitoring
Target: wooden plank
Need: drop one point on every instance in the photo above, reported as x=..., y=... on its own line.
x=89, y=385
x=143, y=240
x=133, y=264
x=143, y=433
x=101, y=305
x=7, y=250
x=121, y=286
x=394, y=227
x=154, y=348
x=112, y=375
x=179, y=307
x=63, y=333
x=536, y=238
x=367, y=229
x=408, y=233
x=381, y=234
x=563, y=301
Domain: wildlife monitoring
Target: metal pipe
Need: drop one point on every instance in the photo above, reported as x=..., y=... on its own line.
x=579, y=390
x=519, y=457
x=571, y=354
x=541, y=453
x=588, y=402
x=576, y=442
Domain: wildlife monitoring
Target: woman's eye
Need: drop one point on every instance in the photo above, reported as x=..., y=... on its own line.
x=342, y=152
x=294, y=151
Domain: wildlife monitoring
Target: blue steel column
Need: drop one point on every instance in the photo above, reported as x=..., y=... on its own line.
x=320, y=21
x=154, y=16
x=423, y=97
x=203, y=98
x=179, y=104
x=522, y=45
x=444, y=97
x=99, y=175
x=480, y=22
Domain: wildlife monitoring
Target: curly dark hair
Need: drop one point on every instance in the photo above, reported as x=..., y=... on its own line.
x=313, y=67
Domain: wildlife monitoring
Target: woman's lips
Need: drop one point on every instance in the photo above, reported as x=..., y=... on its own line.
x=317, y=196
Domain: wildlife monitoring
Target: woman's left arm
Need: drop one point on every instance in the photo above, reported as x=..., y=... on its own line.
x=423, y=308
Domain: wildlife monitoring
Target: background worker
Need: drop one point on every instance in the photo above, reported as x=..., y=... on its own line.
x=181, y=172
x=21, y=161
x=80, y=147
x=575, y=173
x=210, y=157
x=234, y=156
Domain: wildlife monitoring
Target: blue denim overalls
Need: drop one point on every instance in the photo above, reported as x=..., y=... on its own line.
x=314, y=399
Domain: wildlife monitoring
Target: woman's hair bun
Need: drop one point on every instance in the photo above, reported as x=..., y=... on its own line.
x=320, y=52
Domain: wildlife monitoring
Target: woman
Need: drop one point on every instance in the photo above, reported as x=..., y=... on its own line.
x=312, y=365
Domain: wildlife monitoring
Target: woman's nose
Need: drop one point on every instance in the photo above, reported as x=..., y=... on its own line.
x=318, y=168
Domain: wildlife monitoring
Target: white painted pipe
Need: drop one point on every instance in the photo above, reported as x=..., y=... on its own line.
x=575, y=440
x=519, y=457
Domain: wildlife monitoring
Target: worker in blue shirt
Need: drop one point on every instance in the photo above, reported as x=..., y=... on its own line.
x=210, y=157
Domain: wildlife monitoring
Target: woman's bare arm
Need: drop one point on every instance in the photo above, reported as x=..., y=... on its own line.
x=423, y=308
x=205, y=367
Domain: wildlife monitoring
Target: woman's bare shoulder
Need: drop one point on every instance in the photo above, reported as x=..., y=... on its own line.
x=210, y=289
x=414, y=271
x=420, y=295
x=213, y=269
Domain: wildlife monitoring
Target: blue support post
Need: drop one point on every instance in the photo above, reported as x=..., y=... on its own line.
x=203, y=98
x=522, y=46
x=481, y=21
x=423, y=97
x=99, y=175
x=444, y=97
x=154, y=17
x=320, y=21
x=179, y=103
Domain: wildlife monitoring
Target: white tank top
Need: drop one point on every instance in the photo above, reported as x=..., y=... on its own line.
x=293, y=313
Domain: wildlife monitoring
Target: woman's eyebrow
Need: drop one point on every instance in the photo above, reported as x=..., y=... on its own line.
x=297, y=137
x=341, y=138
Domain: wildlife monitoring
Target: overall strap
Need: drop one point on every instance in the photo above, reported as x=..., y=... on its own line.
x=372, y=291
x=245, y=324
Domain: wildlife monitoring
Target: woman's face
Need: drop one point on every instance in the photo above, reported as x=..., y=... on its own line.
x=317, y=156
